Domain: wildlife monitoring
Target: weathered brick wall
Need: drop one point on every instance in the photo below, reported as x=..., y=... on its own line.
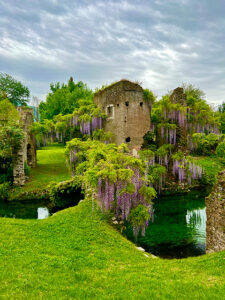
x=27, y=152
x=215, y=211
x=130, y=114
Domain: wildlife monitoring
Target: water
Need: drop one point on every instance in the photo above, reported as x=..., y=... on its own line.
x=24, y=210
x=179, y=227
x=32, y=209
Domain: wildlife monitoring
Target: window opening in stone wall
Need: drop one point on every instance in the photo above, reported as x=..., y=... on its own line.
x=118, y=105
x=110, y=111
x=127, y=103
x=141, y=104
x=127, y=139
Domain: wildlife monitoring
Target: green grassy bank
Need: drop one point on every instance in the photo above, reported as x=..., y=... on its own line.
x=51, y=166
x=75, y=254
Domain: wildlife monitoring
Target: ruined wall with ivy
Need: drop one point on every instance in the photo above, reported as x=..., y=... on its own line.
x=27, y=152
x=215, y=211
x=128, y=115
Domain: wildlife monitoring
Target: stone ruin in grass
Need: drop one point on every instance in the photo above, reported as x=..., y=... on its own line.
x=27, y=152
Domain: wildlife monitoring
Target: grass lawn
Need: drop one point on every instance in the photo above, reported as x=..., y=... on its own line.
x=75, y=254
x=51, y=166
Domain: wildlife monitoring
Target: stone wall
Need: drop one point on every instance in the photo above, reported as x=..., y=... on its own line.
x=179, y=97
x=27, y=152
x=215, y=211
x=128, y=113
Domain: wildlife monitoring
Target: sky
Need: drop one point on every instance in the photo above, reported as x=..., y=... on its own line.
x=160, y=43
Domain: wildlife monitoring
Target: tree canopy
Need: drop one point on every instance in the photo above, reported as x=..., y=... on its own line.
x=63, y=98
x=13, y=90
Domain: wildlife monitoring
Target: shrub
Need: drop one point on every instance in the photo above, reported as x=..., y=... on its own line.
x=4, y=190
x=220, y=150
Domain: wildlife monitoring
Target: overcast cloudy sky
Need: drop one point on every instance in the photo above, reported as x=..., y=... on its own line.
x=160, y=43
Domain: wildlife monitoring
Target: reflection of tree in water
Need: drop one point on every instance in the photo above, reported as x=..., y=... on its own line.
x=178, y=229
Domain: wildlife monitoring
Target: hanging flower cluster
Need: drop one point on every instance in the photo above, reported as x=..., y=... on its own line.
x=87, y=119
x=168, y=132
x=186, y=169
x=178, y=115
x=173, y=122
x=115, y=177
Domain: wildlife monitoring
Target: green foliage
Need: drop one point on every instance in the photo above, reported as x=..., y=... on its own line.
x=14, y=90
x=62, y=193
x=10, y=141
x=11, y=137
x=149, y=96
x=155, y=173
x=139, y=215
x=212, y=166
x=193, y=94
x=64, y=98
x=178, y=156
x=206, y=144
x=149, y=140
x=4, y=190
x=146, y=154
x=164, y=150
x=220, y=150
x=148, y=193
x=8, y=113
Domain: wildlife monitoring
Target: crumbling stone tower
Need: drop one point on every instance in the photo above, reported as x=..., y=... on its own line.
x=27, y=152
x=179, y=97
x=128, y=113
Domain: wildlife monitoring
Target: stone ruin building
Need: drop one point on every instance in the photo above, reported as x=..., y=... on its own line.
x=215, y=210
x=128, y=118
x=128, y=115
x=27, y=152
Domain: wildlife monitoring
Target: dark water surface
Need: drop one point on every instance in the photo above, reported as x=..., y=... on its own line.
x=24, y=210
x=31, y=209
x=179, y=226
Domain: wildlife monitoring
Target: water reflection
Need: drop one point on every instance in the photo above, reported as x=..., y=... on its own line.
x=42, y=212
x=24, y=210
x=179, y=227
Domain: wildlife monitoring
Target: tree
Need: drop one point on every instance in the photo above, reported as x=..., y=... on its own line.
x=63, y=99
x=11, y=136
x=222, y=108
x=14, y=90
x=8, y=113
x=193, y=94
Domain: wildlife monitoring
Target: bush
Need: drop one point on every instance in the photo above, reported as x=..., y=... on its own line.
x=4, y=190
x=220, y=150
x=64, y=193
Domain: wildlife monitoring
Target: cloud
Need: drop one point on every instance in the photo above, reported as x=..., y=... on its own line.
x=160, y=43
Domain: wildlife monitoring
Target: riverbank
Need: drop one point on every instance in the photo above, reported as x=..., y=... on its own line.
x=76, y=254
